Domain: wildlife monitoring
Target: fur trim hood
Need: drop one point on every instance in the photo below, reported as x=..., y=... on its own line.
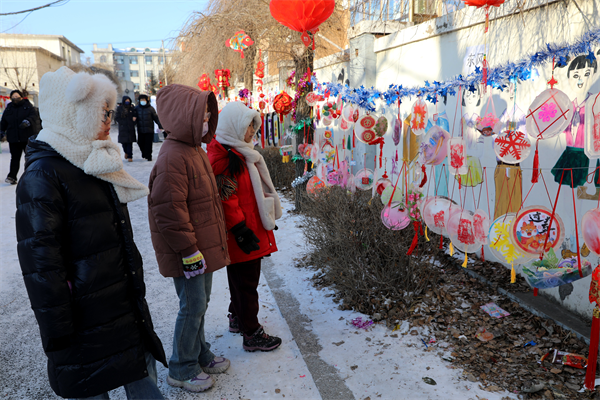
x=71, y=106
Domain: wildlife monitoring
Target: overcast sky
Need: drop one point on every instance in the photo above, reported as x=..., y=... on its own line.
x=124, y=23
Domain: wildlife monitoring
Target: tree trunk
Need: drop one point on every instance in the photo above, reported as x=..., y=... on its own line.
x=303, y=62
x=249, y=67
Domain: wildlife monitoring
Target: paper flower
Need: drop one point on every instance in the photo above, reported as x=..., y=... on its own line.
x=547, y=112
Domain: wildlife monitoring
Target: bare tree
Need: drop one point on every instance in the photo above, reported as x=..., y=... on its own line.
x=19, y=66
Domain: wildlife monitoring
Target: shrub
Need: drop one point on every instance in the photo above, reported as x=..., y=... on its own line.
x=282, y=174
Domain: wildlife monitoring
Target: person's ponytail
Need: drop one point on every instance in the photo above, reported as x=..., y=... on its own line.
x=236, y=165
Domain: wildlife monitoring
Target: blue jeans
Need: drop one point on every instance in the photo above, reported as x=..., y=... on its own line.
x=128, y=149
x=190, y=349
x=144, y=388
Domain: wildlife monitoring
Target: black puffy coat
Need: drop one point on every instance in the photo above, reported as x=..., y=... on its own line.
x=146, y=118
x=71, y=228
x=13, y=116
x=124, y=117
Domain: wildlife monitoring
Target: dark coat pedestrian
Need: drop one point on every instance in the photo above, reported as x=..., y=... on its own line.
x=126, y=117
x=145, y=126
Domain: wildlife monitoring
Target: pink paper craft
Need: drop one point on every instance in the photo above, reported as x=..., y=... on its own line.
x=494, y=311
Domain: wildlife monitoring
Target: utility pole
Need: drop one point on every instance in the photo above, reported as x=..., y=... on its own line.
x=164, y=63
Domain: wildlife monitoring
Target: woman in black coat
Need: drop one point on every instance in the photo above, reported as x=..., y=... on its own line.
x=126, y=116
x=81, y=267
x=145, y=126
x=19, y=122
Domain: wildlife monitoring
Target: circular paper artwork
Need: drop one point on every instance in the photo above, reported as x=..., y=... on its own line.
x=461, y=231
x=397, y=125
x=395, y=216
x=387, y=193
x=592, y=128
x=364, y=179
x=481, y=224
x=457, y=154
x=350, y=113
x=500, y=244
x=512, y=147
x=549, y=114
x=418, y=117
x=314, y=184
x=535, y=231
x=590, y=230
x=436, y=212
x=381, y=126
x=488, y=125
x=365, y=129
x=382, y=184
x=434, y=147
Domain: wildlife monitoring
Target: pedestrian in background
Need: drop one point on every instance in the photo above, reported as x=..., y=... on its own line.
x=146, y=117
x=81, y=267
x=251, y=206
x=19, y=122
x=126, y=116
x=187, y=226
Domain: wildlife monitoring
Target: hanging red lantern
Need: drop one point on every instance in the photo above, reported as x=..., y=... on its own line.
x=223, y=76
x=260, y=66
x=204, y=82
x=282, y=103
x=302, y=15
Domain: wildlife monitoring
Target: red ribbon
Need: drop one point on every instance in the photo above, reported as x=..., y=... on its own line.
x=379, y=141
x=424, y=180
x=415, y=241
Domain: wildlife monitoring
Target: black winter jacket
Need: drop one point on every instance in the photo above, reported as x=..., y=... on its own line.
x=146, y=118
x=12, y=118
x=124, y=117
x=73, y=231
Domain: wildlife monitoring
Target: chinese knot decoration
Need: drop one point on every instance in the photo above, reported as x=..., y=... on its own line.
x=204, y=82
x=302, y=15
x=282, y=103
x=223, y=76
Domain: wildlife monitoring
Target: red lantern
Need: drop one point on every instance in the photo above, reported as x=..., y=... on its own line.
x=204, y=82
x=302, y=15
x=223, y=76
x=282, y=103
x=260, y=66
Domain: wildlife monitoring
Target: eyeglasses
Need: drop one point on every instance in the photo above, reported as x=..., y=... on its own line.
x=108, y=114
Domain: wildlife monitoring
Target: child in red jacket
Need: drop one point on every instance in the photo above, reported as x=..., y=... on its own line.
x=251, y=206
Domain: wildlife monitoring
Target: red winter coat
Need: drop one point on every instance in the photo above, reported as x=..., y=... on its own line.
x=240, y=206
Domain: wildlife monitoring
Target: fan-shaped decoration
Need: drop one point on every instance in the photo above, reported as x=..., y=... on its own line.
x=512, y=147
x=282, y=103
x=302, y=15
x=395, y=216
x=418, y=117
x=204, y=82
x=592, y=127
x=549, y=114
x=434, y=147
x=534, y=234
x=364, y=179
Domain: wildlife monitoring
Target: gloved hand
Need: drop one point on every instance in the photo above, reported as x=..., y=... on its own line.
x=25, y=124
x=2, y=136
x=245, y=238
x=194, y=265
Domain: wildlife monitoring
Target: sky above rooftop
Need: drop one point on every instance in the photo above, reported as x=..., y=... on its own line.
x=124, y=23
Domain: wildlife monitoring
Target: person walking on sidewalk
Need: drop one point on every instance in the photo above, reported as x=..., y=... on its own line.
x=82, y=270
x=187, y=227
x=251, y=207
x=126, y=116
x=146, y=117
x=19, y=122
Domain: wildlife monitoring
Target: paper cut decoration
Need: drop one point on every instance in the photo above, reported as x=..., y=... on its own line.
x=549, y=114
x=457, y=155
x=381, y=126
x=434, y=147
x=512, y=147
x=500, y=244
x=397, y=125
x=239, y=42
x=314, y=184
x=436, y=212
x=351, y=113
x=592, y=127
x=481, y=224
x=461, y=231
x=364, y=179
x=419, y=116
x=282, y=103
x=590, y=230
x=302, y=16
x=535, y=232
x=313, y=98
x=395, y=216
x=382, y=184
x=365, y=129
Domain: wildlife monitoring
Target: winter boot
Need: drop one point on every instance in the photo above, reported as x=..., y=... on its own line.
x=261, y=341
x=199, y=383
x=234, y=324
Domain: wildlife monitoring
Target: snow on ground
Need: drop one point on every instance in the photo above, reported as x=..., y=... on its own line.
x=373, y=363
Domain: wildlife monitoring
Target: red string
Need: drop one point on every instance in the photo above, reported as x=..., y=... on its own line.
x=576, y=228
x=552, y=216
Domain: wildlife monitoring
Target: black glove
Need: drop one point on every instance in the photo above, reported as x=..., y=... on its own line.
x=25, y=124
x=2, y=136
x=245, y=238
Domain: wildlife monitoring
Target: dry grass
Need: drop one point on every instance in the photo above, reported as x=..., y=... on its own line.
x=282, y=174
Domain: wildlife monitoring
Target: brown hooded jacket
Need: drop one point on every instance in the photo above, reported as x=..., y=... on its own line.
x=184, y=207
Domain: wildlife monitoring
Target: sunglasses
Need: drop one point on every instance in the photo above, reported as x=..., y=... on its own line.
x=108, y=114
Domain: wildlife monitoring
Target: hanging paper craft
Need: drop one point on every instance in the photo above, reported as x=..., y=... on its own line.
x=364, y=179
x=500, y=244
x=436, y=212
x=282, y=103
x=240, y=42
x=387, y=193
x=302, y=15
x=512, y=147
x=344, y=125
x=590, y=230
x=223, y=76
x=461, y=231
x=457, y=153
x=397, y=125
x=327, y=121
x=488, y=124
x=549, y=114
x=552, y=273
x=350, y=113
x=204, y=82
x=314, y=184
x=592, y=127
x=481, y=223
x=381, y=126
x=419, y=115
x=535, y=232
x=364, y=130
x=313, y=98
x=395, y=216
x=434, y=147
x=331, y=110
x=285, y=152
x=382, y=184
x=513, y=119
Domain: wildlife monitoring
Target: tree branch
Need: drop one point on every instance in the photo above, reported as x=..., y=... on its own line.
x=32, y=9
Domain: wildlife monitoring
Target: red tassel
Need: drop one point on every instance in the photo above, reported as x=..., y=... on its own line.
x=262, y=131
x=396, y=155
x=590, y=376
x=535, y=291
x=353, y=139
x=459, y=182
x=485, y=71
x=536, y=165
x=318, y=113
x=441, y=242
x=415, y=241
x=424, y=180
x=482, y=254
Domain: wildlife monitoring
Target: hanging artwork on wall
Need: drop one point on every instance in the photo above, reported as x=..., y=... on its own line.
x=536, y=231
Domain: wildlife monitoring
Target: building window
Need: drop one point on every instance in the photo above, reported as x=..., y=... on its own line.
x=120, y=74
x=149, y=60
x=135, y=74
x=103, y=59
x=120, y=59
x=148, y=74
x=136, y=86
x=133, y=60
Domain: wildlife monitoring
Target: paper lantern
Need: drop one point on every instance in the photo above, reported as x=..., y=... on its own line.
x=395, y=216
x=397, y=125
x=204, y=82
x=512, y=147
x=364, y=179
x=590, y=230
x=365, y=128
x=223, y=76
x=282, y=103
x=436, y=212
x=434, y=147
x=534, y=234
x=500, y=244
x=314, y=184
x=457, y=154
x=592, y=127
x=302, y=15
x=418, y=117
x=549, y=114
